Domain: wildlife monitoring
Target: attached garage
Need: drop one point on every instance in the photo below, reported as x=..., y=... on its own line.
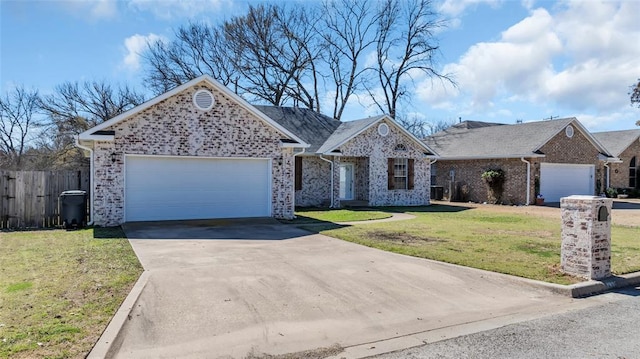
x=559, y=180
x=178, y=188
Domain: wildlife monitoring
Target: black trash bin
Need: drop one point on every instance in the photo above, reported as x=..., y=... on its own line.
x=73, y=208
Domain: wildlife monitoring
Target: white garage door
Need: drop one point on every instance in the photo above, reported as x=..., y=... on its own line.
x=168, y=188
x=559, y=180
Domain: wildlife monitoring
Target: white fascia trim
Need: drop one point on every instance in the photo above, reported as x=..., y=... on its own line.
x=206, y=78
x=100, y=138
x=392, y=121
x=461, y=158
x=610, y=160
x=294, y=145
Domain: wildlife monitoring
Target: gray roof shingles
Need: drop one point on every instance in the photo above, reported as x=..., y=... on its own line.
x=310, y=126
x=508, y=141
x=345, y=132
x=324, y=134
x=617, y=141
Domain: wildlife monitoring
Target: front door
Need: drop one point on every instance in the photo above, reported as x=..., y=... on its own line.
x=346, y=181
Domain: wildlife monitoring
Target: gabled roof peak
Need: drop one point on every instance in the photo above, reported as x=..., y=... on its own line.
x=89, y=134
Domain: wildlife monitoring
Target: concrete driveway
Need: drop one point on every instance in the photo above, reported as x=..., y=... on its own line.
x=226, y=291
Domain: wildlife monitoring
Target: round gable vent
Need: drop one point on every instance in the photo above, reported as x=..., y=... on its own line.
x=569, y=131
x=204, y=100
x=383, y=129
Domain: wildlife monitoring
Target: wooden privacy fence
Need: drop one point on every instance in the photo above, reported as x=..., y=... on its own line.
x=29, y=199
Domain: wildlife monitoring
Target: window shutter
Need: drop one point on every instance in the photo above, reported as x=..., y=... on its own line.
x=298, y=173
x=410, y=173
x=390, y=180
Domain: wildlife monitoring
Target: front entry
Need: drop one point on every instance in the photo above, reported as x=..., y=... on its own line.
x=346, y=181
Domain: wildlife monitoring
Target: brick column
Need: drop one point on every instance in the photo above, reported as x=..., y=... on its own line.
x=586, y=236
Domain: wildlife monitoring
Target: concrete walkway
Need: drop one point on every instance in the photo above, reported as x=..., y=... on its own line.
x=207, y=296
x=394, y=217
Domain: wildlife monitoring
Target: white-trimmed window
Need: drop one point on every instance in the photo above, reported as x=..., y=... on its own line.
x=400, y=147
x=400, y=173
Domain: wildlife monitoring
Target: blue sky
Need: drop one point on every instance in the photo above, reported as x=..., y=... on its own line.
x=513, y=60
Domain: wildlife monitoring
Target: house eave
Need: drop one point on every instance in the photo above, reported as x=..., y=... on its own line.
x=294, y=145
x=497, y=157
x=97, y=137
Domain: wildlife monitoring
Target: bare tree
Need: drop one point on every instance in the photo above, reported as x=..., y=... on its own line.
x=635, y=97
x=197, y=49
x=635, y=94
x=405, y=45
x=17, y=123
x=269, y=48
x=422, y=127
x=348, y=30
x=75, y=107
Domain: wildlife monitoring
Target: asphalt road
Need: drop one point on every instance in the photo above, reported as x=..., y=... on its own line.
x=610, y=330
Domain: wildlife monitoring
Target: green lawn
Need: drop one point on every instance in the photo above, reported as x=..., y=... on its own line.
x=516, y=244
x=314, y=215
x=59, y=289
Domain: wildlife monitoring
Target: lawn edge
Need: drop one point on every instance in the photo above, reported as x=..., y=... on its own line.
x=577, y=290
x=110, y=340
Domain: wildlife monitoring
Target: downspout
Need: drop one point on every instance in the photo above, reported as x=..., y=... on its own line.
x=331, y=193
x=528, y=179
x=430, y=175
x=293, y=198
x=606, y=165
x=90, y=223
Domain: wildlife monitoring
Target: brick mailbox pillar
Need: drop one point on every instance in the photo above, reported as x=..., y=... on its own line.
x=586, y=236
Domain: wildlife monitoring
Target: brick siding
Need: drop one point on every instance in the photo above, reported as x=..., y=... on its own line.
x=379, y=149
x=620, y=179
x=174, y=127
x=559, y=149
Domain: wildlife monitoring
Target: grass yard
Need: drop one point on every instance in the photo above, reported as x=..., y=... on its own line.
x=517, y=244
x=59, y=289
x=315, y=215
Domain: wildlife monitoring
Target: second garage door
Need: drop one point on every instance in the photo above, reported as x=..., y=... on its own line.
x=175, y=188
x=559, y=180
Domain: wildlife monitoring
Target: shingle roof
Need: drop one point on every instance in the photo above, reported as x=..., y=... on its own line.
x=476, y=124
x=310, y=126
x=346, y=131
x=617, y=141
x=508, y=141
x=324, y=134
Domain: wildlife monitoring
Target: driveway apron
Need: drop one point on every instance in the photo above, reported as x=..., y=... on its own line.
x=235, y=288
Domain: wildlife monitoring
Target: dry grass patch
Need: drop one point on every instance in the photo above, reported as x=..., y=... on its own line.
x=518, y=244
x=59, y=289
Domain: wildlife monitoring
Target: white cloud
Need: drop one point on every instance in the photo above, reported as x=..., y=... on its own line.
x=170, y=9
x=457, y=7
x=604, y=122
x=96, y=9
x=104, y=8
x=581, y=56
x=135, y=45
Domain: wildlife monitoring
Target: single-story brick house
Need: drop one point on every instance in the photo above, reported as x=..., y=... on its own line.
x=553, y=158
x=624, y=145
x=200, y=151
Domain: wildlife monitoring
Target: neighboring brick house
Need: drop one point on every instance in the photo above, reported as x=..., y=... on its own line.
x=200, y=151
x=625, y=145
x=553, y=158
